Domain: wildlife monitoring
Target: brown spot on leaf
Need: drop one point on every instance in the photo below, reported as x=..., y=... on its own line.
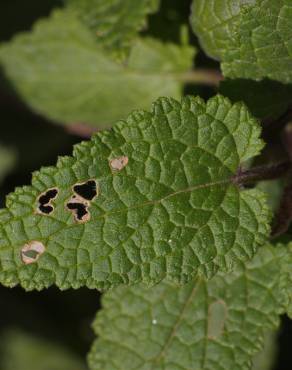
x=45, y=207
x=117, y=164
x=32, y=251
x=217, y=315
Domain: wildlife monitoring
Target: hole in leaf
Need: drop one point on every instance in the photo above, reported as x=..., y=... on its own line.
x=86, y=190
x=79, y=207
x=46, y=209
x=45, y=199
x=31, y=252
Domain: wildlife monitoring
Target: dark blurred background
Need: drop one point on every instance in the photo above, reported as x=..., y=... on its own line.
x=63, y=317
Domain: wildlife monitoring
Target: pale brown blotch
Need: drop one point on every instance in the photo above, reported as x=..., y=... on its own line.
x=117, y=164
x=32, y=251
x=217, y=315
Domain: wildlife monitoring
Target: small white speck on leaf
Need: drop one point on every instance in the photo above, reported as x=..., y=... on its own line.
x=154, y=322
x=119, y=163
x=170, y=241
x=31, y=251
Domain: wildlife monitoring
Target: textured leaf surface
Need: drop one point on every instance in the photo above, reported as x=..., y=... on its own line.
x=251, y=38
x=166, y=205
x=214, y=325
x=213, y=22
x=61, y=72
x=265, y=99
x=115, y=22
x=22, y=351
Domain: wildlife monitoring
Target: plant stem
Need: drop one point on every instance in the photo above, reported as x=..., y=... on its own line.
x=256, y=174
x=204, y=76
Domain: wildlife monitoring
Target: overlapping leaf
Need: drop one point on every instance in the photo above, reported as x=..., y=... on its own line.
x=115, y=22
x=62, y=72
x=166, y=202
x=212, y=325
x=252, y=38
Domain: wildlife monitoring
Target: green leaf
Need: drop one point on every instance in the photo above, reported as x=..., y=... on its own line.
x=211, y=325
x=60, y=71
x=7, y=161
x=266, y=99
x=252, y=38
x=116, y=22
x=265, y=359
x=23, y=351
x=213, y=22
x=166, y=202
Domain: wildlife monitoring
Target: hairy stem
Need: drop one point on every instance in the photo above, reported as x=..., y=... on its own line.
x=256, y=174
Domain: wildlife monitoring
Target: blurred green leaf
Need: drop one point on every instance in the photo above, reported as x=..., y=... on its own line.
x=60, y=71
x=114, y=22
x=265, y=359
x=7, y=161
x=22, y=351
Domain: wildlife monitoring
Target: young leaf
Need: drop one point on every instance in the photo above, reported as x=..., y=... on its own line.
x=61, y=72
x=23, y=351
x=115, y=23
x=157, y=196
x=7, y=160
x=211, y=325
x=252, y=38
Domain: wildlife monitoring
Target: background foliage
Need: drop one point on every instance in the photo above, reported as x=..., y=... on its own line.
x=53, y=323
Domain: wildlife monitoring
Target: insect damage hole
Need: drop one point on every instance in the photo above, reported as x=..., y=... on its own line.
x=86, y=190
x=32, y=251
x=78, y=204
x=117, y=164
x=45, y=207
x=79, y=208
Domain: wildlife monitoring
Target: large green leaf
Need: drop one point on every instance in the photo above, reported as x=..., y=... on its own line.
x=115, y=22
x=252, y=38
x=168, y=202
x=61, y=72
x=212, y=325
